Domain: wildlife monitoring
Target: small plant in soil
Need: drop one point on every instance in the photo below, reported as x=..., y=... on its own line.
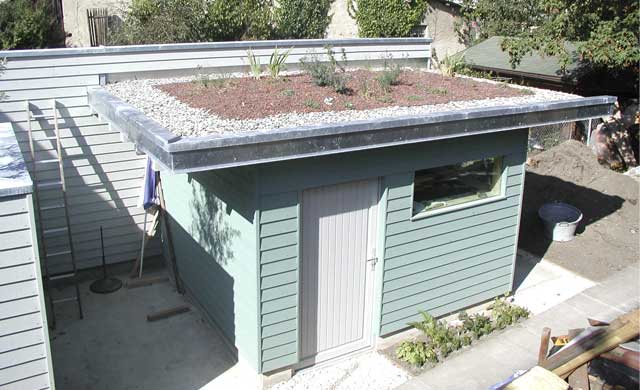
x=349, y=106
x=437, y=91
x=312, y=104
x=414, y=98
x=389, y=76
x=277, y=62
x=441, y=339
x=386, y=99
x=327, y=74
x=288, y=92
x=254, y=65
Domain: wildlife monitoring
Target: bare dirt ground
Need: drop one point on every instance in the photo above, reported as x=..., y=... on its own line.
x=229, y=99
x=608, y=236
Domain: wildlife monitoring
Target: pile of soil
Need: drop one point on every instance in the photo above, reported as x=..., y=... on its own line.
x=248, y=98
x=608, y=236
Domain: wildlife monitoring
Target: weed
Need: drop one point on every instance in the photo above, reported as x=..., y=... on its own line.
x=349, y=106
x=365, y=90
x=327, y=74
x=437, y=91
x=207, y=80
x=277, y=62
x=389, y=76
x=385, y=99
x=254, y=64
x=527, y=91
x=477, y=325
x=414, y=98
x=452, y=64
x=288, y=92
x=505, y=314
x=311, y=104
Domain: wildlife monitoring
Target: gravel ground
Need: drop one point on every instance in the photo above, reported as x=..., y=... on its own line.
x=370, y=371
x=184, y=120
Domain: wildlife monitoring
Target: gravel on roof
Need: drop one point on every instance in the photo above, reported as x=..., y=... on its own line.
x=184, y=120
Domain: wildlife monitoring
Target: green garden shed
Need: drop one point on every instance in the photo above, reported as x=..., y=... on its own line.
x=310, y=242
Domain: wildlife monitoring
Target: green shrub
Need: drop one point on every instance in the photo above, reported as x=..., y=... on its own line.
x=29, y=24
x=453, y=64
x=161, y=21
x=174, y=21
x=387, y=18
x=302, y=19
x=327, y=73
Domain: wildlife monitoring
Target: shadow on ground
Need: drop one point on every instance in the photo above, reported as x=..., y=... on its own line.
x=606, y=237
x=114, y=347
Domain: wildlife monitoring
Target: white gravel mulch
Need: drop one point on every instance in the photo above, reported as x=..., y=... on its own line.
x=370, y=371
x=185, y=120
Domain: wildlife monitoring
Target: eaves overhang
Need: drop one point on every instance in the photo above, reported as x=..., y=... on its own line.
x=190, y=154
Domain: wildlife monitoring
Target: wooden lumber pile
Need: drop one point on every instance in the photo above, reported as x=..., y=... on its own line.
x=567, y=365
x=571, y=361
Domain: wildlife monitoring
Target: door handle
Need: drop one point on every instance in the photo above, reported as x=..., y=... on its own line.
x=373, y=261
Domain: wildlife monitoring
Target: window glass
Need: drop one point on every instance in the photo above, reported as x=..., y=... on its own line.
x=451, y=185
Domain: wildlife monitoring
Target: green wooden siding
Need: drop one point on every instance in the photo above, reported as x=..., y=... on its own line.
x=212, y=218
x=441, y=263
x=279, y=262
x=445, y=262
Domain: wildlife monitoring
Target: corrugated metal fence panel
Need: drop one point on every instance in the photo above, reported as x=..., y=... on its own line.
x=446, y=262
x=279, y=261
x=103, y=173
x=23, y=344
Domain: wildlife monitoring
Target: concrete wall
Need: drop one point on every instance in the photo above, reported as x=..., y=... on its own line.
x=440, y=20
x=75, y=17
x=440, y=264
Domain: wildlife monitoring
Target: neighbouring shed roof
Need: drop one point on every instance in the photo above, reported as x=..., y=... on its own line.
x=188, y=154
x=488, y=55
x=14, y=177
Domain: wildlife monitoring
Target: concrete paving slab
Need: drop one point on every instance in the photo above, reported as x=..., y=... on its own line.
x=114, y=347
x=500, y=355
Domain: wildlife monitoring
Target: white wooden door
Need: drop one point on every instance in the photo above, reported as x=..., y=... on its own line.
x=338, y=260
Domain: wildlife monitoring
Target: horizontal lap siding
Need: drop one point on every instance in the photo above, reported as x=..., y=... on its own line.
x=103, y=174
x=279, y=261
x=23, y=344
x=443, y=263
x=102, y=171
x=213, y=234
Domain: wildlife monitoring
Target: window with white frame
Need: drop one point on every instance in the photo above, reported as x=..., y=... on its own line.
x=449, y=186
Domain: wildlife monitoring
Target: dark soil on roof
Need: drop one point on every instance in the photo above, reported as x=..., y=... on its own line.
x=248, y=98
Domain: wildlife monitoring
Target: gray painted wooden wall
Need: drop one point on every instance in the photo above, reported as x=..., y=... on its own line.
x=104, y=174
x=24, y=341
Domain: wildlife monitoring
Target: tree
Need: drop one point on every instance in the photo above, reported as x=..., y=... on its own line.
x=300, y=19
x=606, y=32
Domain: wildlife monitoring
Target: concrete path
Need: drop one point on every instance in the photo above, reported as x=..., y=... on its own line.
x=500, y=355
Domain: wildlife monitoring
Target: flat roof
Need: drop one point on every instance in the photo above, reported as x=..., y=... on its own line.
x=189, y=153
x=14, y=177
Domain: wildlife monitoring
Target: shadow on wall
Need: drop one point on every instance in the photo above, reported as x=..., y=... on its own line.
x=208, y=215
x=95, y=198
x=540, y=189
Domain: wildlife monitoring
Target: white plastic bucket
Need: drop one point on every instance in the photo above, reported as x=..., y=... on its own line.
x=560, y=220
